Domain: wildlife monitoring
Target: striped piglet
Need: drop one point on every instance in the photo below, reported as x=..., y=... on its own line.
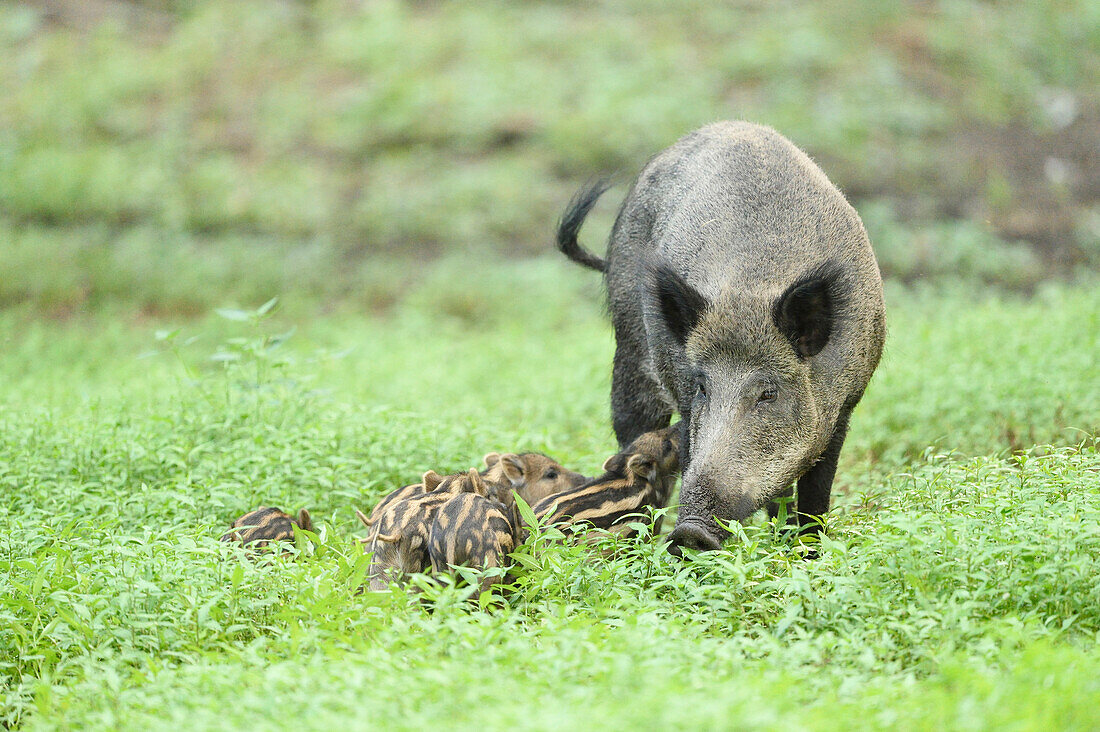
x=636, y=480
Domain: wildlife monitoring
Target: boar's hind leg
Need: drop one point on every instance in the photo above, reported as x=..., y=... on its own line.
x=815, y=487
x=636, y=405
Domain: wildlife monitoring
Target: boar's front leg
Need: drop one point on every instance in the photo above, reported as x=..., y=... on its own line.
x=816, y=485
x=636, y=405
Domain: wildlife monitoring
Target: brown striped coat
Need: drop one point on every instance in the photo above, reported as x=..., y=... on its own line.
x=428, y=483
x=259, y=528
x=471, y=530
x=636, y=480
x=398, y=539
x=531, y=474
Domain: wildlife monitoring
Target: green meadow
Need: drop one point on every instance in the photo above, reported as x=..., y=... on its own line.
x=957, y=585
x=297, y=253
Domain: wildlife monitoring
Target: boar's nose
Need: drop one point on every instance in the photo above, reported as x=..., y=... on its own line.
x=692, y=536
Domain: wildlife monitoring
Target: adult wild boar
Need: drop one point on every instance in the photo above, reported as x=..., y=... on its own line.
x=745, y=296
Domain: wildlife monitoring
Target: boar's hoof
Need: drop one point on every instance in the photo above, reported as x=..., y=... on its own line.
x=692, y=536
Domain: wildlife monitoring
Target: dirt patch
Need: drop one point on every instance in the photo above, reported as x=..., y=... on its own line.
x=1039, y=184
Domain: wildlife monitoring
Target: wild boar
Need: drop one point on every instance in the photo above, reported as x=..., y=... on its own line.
x=637, y=479
x=398, y=538
x=532, y=475
x=474, y=531
x=428, y=483
x=744, y=295
x=259, y=528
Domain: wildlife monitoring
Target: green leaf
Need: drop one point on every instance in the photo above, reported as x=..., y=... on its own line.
x=526, y=513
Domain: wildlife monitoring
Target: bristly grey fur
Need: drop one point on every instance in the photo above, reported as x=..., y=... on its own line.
x=765, y=375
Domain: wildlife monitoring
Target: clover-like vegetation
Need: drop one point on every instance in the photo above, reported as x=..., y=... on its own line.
x=166, y=166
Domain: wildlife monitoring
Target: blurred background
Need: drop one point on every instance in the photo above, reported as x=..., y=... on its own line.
x=171, y=156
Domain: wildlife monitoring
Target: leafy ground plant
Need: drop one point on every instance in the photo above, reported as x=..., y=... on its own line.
x=169, y=153
x=955, y=587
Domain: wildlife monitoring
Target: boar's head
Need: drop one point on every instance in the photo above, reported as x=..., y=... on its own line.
x=744, y=371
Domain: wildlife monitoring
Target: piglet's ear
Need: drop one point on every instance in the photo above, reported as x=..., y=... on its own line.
x=491, y=459
x=680, y=304
x=431, y=481
x=641, y=465
x=615, y=464
x=511, y=466
x=304, y=520
x=476, y=483
x=805, y=313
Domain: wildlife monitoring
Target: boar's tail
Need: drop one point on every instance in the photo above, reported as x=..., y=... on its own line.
x=572, y=220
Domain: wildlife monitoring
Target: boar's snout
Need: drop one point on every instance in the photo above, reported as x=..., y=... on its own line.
x=693, y=535
x=706, y=502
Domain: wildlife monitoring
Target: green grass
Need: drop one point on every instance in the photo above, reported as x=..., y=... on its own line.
x=302, y=141
x=956, y=587
x=393, y=170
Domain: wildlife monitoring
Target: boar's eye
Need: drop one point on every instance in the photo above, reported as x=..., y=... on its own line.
x=700, y=387
x=551, y=474
x=767, y=394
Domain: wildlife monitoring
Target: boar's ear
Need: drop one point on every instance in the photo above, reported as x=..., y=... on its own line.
x=512, y=467
x=304, y=520
x=804, y=313
x=681, y=305
x=491, y=459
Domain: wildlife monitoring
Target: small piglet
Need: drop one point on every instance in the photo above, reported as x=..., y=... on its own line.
x=428, y=483
x=259, y=528
x=638, y=479
x=532, y=475
x=398, y=538
x=474, y=530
